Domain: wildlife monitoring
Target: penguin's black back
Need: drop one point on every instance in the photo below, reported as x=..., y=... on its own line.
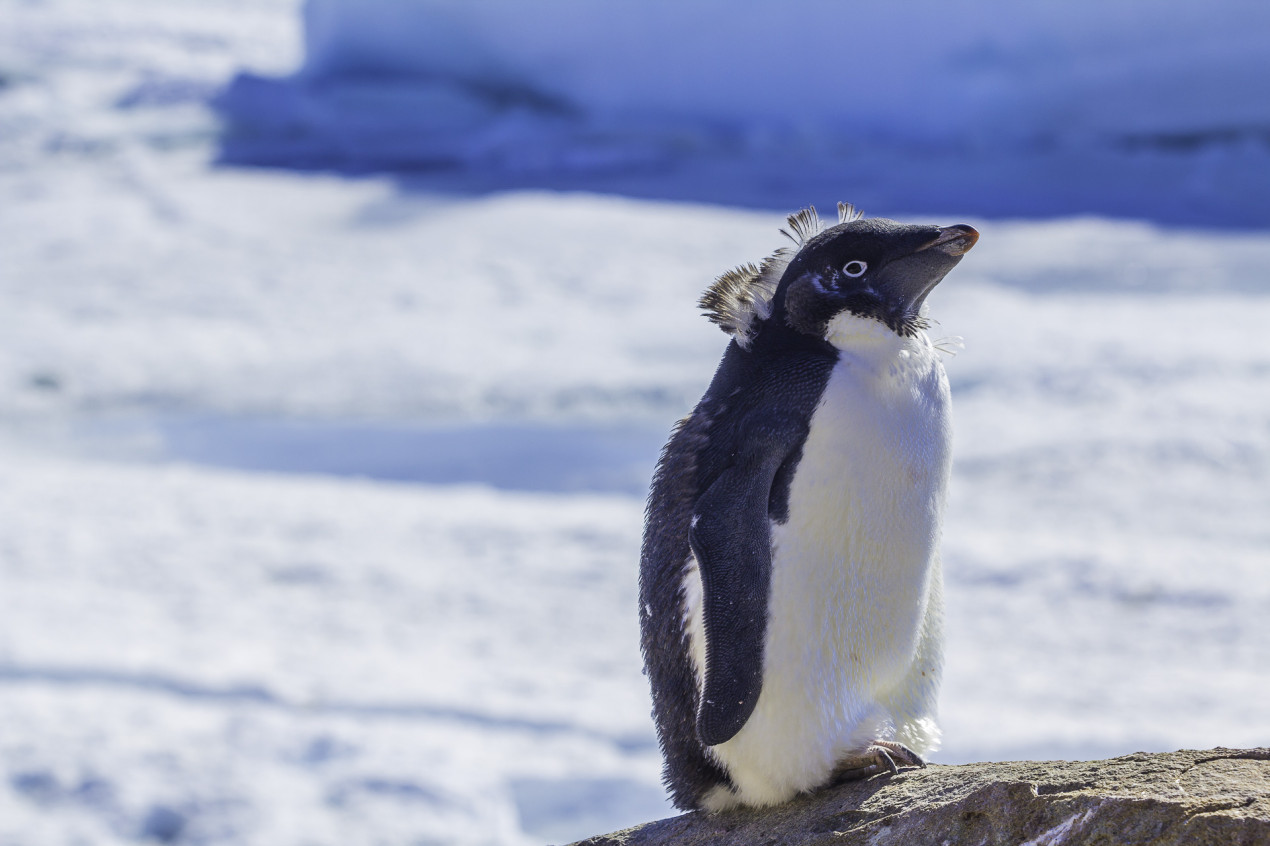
x=783, y=372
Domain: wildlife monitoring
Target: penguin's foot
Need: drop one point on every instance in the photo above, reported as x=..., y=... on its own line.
x=881, y=756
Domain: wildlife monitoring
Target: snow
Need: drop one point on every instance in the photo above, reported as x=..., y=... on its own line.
x=322, y=495
x=291, y=660
x=287, y=294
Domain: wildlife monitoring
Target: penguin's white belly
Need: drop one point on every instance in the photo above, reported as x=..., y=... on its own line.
x=854, y=595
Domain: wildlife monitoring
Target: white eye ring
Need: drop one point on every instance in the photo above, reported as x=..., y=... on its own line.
x=855, y=269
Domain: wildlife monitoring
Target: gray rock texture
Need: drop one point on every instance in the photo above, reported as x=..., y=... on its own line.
x=1219, y=796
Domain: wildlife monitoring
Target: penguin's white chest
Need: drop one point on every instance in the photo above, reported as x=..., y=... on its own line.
x=850, y=567
x=854, y=570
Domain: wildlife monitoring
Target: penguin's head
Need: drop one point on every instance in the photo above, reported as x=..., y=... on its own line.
x=869, y=267
x=874, y=268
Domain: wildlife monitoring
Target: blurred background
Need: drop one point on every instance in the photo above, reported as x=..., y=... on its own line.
x=338, y=339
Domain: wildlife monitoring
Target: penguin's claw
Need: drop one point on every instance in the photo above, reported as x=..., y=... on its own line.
x=907, y=757
x=881, y=756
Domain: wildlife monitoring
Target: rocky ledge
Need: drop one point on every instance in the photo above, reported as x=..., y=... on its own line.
x=1219, y=796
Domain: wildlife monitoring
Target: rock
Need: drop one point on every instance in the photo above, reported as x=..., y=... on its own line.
x=1220, y=796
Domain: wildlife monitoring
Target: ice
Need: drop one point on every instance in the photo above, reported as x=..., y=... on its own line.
x=322, y=496
x=1136, y=109
x=1079, y=68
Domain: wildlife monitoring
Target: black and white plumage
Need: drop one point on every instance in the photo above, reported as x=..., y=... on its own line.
x=790, y=581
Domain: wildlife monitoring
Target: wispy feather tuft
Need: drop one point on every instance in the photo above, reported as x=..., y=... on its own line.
x=742, y=298
x=847, y=213
x=805, y=226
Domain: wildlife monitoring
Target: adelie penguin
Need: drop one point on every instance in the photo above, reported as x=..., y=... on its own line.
x=790, y=579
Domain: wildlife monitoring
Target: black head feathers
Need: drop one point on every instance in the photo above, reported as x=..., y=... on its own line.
x=873, y=268
x=741, y=299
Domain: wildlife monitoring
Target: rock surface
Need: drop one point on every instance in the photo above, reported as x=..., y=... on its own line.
x=1218, y=796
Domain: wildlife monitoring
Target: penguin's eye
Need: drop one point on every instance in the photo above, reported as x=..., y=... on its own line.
x=854, y=269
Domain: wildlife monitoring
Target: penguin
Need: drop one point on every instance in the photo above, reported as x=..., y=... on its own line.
x=790, y=582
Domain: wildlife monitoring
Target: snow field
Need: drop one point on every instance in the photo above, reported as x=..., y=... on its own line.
x=200, y=641
x=251, y=293
x=202, y=655
x=473, y=652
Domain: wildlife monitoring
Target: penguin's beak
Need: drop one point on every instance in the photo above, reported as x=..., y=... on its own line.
x=907, y=280
x=954, y=240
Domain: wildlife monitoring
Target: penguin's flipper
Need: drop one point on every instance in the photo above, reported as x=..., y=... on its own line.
x=731, y=540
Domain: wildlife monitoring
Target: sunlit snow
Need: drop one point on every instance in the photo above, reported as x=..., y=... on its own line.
x=321, y=496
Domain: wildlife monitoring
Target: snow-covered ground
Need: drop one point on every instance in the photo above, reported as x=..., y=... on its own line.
x=320, y=498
